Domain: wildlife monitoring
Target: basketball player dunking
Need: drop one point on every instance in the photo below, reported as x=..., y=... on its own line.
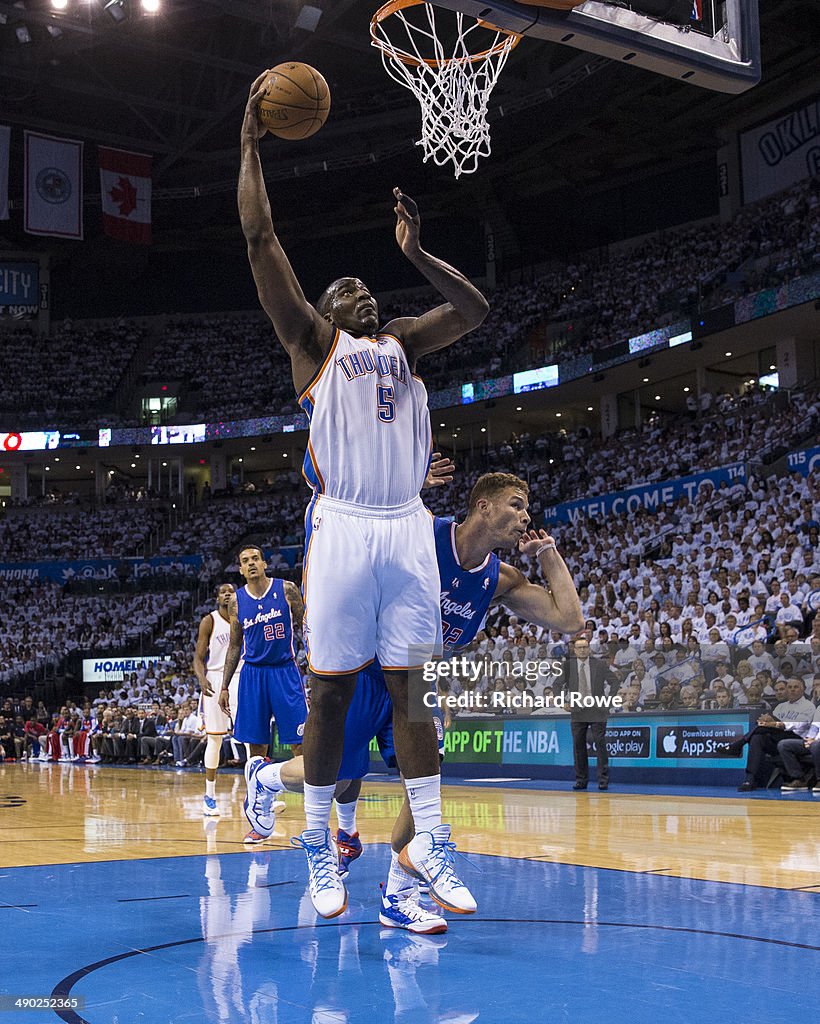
x=209, y=663
x=370, y=582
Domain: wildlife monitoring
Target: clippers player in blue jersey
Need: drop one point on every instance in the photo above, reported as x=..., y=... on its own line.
x=369, y=581
x=472, y=578
x=262, y=614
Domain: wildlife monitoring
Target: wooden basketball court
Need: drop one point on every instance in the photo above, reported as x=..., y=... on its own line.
x=115, y=890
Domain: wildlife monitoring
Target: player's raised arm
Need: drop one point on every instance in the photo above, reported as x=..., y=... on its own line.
x=232, y=655
x=294, y=598
x=304, y=334
x=465, y=308
x=203, y=640
x=555, y=606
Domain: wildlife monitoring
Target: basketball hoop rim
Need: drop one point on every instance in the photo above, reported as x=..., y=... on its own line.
x=509, y=41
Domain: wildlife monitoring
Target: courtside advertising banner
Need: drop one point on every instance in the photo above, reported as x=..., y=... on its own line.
x=53, y=186
x=5, y=142
x=780, y=152
x=125, y=189
x=634, y=741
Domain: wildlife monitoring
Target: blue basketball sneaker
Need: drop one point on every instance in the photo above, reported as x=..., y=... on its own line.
x=349, y=848
x=402, y=910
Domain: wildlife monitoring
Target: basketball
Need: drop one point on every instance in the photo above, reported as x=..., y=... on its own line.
x=296, y=101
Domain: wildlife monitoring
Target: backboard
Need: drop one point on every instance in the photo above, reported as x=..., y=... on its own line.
x=719, y=49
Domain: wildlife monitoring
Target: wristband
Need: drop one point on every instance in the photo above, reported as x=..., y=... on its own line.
x=550, y=546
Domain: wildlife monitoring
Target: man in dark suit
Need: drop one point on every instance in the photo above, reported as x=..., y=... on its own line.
x=148, y=734
x=131, y=731
x=589, y=677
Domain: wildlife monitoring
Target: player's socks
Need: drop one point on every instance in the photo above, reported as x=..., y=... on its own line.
x=318, y=800
x=210, y=787
x=346, y=816
x=424, y=796
x=399, y=882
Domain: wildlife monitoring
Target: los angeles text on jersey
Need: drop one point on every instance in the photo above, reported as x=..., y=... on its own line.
x=257, y=620
x=462, y=608
x=362, y=362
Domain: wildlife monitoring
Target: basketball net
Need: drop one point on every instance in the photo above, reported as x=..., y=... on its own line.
x=452, y=79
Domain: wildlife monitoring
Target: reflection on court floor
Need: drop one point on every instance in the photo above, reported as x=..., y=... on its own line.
x=224, y=937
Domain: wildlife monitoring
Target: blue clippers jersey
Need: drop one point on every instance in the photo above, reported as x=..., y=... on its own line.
x=267, y=625
x=466, y=594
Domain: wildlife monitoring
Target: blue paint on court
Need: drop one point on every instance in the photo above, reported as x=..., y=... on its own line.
x=233, y=938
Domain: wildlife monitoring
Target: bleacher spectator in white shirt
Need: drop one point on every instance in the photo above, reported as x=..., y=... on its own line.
x=788, y=612
x=760, y=659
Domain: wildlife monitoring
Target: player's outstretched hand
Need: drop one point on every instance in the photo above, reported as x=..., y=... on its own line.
x=440, y=472
x=251, y=126
x=532, y=541
x=225, y=701
x=408, y=224
x=205, y=686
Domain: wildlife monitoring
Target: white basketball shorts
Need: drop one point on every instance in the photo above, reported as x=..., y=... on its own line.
x=370, y=585
x=215, y=719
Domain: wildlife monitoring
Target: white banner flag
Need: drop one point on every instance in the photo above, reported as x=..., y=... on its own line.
x=5, y=142
x=780, y=152
x=54, y=186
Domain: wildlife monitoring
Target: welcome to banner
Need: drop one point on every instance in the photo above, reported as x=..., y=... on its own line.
x=101, y=569
x=645, y=496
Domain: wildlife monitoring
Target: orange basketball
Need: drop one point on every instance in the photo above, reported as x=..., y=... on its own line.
x=296, y=101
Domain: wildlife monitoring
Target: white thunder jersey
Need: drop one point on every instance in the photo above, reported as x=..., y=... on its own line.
x=370, y=438
x=218, y=647
x=217, y=723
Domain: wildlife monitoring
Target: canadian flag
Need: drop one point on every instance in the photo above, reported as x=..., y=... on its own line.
x=125, y=184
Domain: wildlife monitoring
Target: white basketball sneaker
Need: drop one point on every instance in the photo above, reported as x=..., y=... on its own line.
x=259, y=802
x=327, y=890
x=429, y=857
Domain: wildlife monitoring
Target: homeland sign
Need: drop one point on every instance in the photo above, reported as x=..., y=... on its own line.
x=646, y=496
x=115, y=668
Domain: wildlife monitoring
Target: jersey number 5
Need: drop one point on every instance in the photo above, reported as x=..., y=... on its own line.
x=274, y=631
x=387, y=407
